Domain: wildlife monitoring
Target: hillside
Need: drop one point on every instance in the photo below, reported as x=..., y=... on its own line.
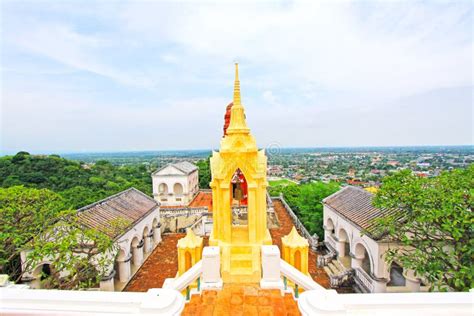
x=77, y=182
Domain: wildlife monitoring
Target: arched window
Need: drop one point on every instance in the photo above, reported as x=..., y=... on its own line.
x=239, y=192
x=163, y=188
x=178, y=188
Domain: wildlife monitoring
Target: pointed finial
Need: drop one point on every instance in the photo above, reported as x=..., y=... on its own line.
x=237, y=123
x=237, y=100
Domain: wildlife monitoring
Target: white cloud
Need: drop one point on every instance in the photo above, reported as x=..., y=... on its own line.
x=314, y=73
x=395, y=49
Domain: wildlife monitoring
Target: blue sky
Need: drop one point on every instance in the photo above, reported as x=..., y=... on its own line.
x=147, y=75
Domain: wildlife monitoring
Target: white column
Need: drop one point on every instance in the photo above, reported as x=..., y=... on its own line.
x=340, y=248
x=124, y=269
x=271, y=268
x=211, y=268
x=148, y=243
x=157, y=233
x=107, y=283
x=138, y=254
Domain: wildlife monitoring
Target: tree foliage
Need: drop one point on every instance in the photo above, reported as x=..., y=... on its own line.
x=204, y=173
x=435, y=225
x=25, y=213
x=305, y=200
x=34, y=220
x=79, y=256
x=78, y=183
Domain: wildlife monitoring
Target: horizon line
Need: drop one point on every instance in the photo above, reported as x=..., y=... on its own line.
x=271, y=147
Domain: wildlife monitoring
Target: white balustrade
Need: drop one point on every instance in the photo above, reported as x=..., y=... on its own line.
x=15, y=301
x=364, y=279
x=330, y=240
x=183, y=281
x=297, y=277
x=396, y=304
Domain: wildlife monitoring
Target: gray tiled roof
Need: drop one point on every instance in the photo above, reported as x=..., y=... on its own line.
x=355, y=205
x=131, y=205
x=185, y=166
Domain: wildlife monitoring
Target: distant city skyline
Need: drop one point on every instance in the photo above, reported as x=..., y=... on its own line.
x=145, y=76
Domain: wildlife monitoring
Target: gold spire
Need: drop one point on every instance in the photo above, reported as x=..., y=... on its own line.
x=237, y=118
x=237, y=86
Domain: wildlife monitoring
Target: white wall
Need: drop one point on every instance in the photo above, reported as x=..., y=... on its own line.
x=170, y=176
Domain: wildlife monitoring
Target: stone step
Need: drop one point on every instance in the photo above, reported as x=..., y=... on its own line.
x=333, y=268
x=327, y=270
x=242, y=256
x=240, y=250
x=236, y=264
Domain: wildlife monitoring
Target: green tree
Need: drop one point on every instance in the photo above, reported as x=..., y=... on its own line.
x=34, y=220
x=81, y=255
x=306, y=201
x=310, y=205
x=434, y=225
x=25, y=213
x=204, y=173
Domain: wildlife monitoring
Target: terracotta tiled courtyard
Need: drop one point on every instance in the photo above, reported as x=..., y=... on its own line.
x=161, y=264
x=241, y=299
x=233, y=299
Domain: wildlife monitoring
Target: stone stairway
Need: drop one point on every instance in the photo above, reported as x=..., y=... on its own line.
x=243, y=265
x=338, y=274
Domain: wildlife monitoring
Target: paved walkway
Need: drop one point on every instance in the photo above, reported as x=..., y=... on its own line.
x=286, y=224
x=161, y=264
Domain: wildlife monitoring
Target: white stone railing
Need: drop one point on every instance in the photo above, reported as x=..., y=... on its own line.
x=364, y=279
x=206, y=272
x=407, y=304
x=173, y=212
x=294, y=275
x=182, y=282
x=331, y=242
x=14, y=301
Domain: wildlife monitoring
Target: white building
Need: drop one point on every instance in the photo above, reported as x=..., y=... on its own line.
x=353, y=236
x=176, y=184
x=134, y=242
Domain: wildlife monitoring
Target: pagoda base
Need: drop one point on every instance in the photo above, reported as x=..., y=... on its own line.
x=240, y=260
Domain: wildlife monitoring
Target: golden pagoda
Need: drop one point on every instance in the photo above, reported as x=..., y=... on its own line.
x=239, y=174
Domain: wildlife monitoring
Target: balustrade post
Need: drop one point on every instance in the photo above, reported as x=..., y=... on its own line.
x=271, y=275
x=211, y=268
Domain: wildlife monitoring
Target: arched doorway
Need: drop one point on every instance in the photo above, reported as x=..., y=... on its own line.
x=396, y=275
x=238, y=206
x=41, y=273
x=239, y=193
x=330, y=227
x=344, y=248
x=361, y=253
